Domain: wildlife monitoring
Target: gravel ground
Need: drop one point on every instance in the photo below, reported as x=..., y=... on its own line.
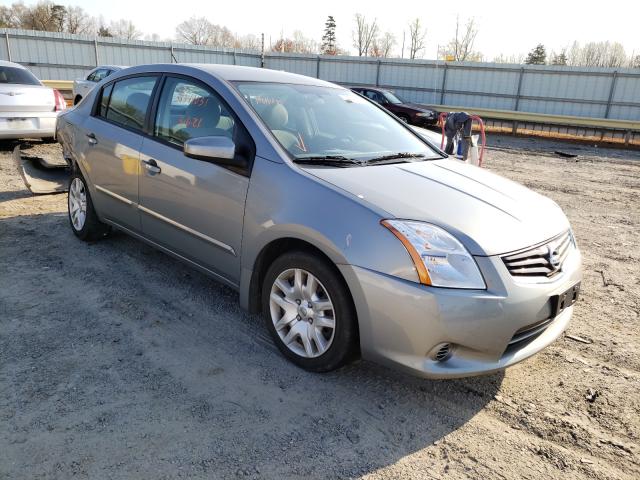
x=117, y=361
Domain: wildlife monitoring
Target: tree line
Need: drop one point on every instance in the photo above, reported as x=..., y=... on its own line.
x=368, y=37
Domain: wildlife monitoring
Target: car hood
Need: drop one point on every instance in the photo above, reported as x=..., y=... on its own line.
x=489, y=214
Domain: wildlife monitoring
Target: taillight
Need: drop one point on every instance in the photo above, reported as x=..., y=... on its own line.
x=61, y=104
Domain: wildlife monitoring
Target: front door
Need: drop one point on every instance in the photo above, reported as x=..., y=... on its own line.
x=113, y=139
x=193, y=207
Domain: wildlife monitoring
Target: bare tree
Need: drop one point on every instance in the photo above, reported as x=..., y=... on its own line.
x=298, y=44
x=79, y=21
x=516, y=58
x=43, y=16
x=196, y=31
x=597, y=54
x=385, y=44
x=417, y=38
x=364, y=34
x=248, y=42
x=124, y=29
x=221, y=37
x=461, y=46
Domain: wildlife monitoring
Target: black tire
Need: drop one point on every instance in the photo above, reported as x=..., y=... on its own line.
x=77, y=99
x=343, y=347
x=92, y=229
x=404, y=118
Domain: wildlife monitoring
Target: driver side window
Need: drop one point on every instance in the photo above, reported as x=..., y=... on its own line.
x=190, y=110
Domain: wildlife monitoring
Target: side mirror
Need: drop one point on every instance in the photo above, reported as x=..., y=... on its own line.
x=216, y=149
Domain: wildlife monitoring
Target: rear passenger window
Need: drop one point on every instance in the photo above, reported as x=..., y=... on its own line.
x=190, y=110
x=128, y=101
x=100, y=74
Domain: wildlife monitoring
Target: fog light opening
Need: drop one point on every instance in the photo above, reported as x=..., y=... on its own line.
x=442, y=352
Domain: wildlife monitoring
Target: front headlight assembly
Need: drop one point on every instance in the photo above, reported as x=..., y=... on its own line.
x=425, y=114
x=440, y=259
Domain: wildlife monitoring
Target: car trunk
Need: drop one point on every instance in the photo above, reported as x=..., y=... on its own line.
x=17, y=98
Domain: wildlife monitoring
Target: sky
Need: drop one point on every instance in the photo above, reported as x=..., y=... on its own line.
x=505, y=27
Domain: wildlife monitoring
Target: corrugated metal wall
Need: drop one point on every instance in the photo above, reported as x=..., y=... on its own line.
x=584, y=92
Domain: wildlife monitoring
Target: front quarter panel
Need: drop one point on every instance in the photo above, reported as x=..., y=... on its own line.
x=284, y=202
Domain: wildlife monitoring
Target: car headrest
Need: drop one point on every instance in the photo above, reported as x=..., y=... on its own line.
x=206, y=110
x=277, y=117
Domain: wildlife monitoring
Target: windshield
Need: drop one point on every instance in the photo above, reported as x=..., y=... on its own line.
x=312, y=121
x=17, y=75
x=393, y=98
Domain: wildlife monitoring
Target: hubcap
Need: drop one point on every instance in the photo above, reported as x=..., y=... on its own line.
x=77, y=204
x=302, y=313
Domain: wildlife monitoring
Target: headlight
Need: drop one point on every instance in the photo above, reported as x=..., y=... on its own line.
x=424, y=114
x=440, y=259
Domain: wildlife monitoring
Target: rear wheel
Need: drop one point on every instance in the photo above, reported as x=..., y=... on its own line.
x=77, y=99
x=309, y=312
x=82, y=216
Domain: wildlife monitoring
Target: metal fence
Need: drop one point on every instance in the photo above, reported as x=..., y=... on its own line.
x=604, y=93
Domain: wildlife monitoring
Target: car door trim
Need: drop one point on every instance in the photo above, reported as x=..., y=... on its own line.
x=147, y=240
x=115, y=195
x=190, y=230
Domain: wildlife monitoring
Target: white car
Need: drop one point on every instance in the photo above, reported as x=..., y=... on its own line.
x=28, y=109
x=82, y=86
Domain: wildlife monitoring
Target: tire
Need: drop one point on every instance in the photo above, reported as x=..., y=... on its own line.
x=339, y=341
x=404, y=118
x=77, y=99
x=79, y=205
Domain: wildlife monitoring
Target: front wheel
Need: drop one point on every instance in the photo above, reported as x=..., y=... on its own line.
x=82, y=216
x=309, y=312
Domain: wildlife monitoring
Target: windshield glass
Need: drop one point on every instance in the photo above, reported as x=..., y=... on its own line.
x=312, y=121
x=20, y=76
x=393, y=98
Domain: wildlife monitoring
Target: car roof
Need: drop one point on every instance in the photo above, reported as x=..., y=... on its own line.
x=5, y=63
x=235, y=73
x=111, y=67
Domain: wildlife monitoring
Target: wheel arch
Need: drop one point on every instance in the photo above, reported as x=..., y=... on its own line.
x=273, y=250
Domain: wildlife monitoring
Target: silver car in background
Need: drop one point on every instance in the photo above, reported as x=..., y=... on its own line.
x=347, y=230
x=82, y=86
x=28, y=109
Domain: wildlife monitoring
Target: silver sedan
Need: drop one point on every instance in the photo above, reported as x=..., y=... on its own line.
x=345, y=228
x=28, y=109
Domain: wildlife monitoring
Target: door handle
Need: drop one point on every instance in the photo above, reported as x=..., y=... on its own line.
x=92, y=138
x=151, y=166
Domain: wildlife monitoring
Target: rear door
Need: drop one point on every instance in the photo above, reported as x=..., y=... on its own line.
x=113, y=136
x=193, y=207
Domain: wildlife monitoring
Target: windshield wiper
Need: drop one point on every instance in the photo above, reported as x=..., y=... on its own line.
x=395, y=156
x=329, y=160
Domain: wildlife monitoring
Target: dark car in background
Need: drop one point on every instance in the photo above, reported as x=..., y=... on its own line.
x=412, y=113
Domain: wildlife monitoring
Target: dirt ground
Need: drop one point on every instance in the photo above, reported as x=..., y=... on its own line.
x=117, y=361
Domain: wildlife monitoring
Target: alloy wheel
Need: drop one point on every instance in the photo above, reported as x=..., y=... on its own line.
x=302, y=313
x=77, y=203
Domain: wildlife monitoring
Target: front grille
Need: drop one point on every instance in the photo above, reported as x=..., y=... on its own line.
x=543, y=260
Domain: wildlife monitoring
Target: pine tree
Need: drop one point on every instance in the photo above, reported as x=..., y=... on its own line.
x=329, y=46
x=559, y=59
x=537, y=56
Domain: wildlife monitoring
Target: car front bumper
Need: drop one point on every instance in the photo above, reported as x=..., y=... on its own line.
x=28, y=125
x=403, y=323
